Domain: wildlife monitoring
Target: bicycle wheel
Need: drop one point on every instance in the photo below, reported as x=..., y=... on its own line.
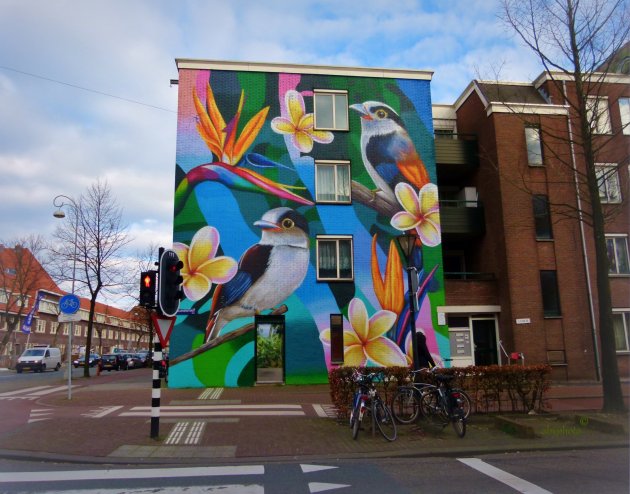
x=406, y=405
x=431, y=407
x=459, y=424
x=464, y=400
x=384, y=420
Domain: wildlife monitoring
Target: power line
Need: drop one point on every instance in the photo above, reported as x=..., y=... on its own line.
x=86, y=89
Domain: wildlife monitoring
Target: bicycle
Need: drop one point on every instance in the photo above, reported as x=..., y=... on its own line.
x=406, y=403
x=444, y=404
x=367, y=401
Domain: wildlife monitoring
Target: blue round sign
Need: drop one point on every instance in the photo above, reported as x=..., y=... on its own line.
x=69, y=304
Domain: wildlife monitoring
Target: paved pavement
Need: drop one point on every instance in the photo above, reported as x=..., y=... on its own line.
x=108, y=421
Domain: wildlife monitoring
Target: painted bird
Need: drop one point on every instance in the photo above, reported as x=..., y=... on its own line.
x=268, y=272
x=388, y=152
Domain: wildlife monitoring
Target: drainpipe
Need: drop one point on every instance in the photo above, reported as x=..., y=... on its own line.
x=583, y=240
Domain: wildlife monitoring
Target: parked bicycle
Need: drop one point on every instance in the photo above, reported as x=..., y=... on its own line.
x=444, y=404
x=406, y=405
x=368, y=403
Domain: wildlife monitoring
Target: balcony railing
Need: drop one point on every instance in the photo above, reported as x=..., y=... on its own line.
x=463, y=218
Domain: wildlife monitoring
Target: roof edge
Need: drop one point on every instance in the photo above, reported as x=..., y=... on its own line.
x=610, y=78
x=189, y=63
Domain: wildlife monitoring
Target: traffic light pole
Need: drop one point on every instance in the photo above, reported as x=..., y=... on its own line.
x=156, y=391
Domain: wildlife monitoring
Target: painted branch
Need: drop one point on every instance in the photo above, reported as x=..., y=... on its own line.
x=222, y=339
x=375, y=200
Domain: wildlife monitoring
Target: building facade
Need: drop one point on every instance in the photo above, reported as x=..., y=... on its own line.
x=292, y=183
x=27, y=289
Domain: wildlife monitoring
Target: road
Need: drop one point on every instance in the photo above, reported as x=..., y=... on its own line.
x=596, y=471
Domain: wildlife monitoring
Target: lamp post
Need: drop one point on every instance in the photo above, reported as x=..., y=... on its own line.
x=407, y=244
x=59, y=202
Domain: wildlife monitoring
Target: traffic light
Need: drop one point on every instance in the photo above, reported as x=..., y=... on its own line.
x=147, y=288
x=169, y=283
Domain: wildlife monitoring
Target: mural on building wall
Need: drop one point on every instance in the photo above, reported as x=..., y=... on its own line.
x=246, y=223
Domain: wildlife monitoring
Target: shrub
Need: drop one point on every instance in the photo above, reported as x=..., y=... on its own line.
x=491, y=388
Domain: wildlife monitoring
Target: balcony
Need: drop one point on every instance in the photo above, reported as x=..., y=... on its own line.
x=462, y=219
x=471, y=289
x=456, y=157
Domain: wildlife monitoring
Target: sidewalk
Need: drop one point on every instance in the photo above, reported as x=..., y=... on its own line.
x=108, y=420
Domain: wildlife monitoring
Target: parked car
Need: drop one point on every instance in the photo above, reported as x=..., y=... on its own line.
x=134, y=361
x=38, y=359
x=146, y=358
x=94, y=359
x=113, y=361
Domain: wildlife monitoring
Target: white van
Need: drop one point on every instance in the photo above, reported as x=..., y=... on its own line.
x=38, y=359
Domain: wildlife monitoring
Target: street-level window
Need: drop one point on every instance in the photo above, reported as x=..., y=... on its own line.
x=41, y=326
x=617, y=247
x=598, y=115
x=550, y=295
x=542, y=218
x=624, y=112
x=65, y=329
x=534, y=147
x=332, y=182
x=54, y=327
x=608, y=183
x=77, y=330
x=334, y=258
x=331, y=109
x=336, y=339
x=621, y=327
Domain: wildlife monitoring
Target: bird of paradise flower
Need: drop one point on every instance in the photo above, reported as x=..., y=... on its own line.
x=229, y=148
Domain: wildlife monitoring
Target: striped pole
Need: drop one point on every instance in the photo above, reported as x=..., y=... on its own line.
x=155, y=392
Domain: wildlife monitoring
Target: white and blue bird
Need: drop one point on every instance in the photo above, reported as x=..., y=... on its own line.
x=268, y=272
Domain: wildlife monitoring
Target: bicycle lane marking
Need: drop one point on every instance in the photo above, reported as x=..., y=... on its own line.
x=508, y=479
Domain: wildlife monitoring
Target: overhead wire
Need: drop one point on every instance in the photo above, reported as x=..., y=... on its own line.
x=86, y=89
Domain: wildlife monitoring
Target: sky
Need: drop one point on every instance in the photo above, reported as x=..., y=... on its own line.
x=85, y=91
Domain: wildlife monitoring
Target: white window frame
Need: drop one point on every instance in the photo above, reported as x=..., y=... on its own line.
x=337, y=239
x=66, y=329
x=625, y=317
x=624, y=114
x=533, y=137
x=617, y=254
x=77, y=330
x=333, y=93
x=335, y=164
x=53, y=327
x=600, y=120
x=41, y=326
x=608, y=182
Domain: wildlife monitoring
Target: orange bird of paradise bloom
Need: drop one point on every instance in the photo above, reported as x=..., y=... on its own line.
x=229, y=148
x=389, y=291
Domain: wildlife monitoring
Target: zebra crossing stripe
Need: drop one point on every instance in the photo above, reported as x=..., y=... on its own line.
x=192, y=430
x=211, y=394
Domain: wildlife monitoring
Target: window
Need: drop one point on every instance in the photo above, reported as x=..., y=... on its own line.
x=550, y=295
x=336, y=339
x=444, y=133
x=77, y=330
x=608, y=182
x=598, y=115
x=331, y=110
x=332, y=181
x=534, y=148
x=621, y=326
x=41, y=326
x=65, y=329
x=334, y=258
x=54, y=327
x=617, y=247
x=542, y=218
x=624, y=112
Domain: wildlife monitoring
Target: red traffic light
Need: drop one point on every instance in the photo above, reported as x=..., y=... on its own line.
x=148, y=282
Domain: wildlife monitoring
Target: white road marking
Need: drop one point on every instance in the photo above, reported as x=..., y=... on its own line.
x=48, y=391
x=32, y=393
x=322, y=486
x=195, y=489
x=176, y=433
x=141, y=473
x=196, y=432
x=221, y=407
x=208, y=413
x=39, y=414
x=508, y=479
x=211, y=394
x=315, y=468
x=23, y=391
x=101, y=412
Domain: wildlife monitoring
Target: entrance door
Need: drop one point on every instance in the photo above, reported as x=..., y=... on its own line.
x=269, y=349
x=485, y=339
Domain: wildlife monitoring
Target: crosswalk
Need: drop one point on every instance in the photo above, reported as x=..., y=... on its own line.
x=32, y=393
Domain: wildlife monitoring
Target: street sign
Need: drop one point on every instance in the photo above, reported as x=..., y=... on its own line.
x=69, y=317
x=163, y=326
x=69, y=304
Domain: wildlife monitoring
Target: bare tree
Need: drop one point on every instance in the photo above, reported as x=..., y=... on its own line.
x=100, y=240
x=21, y=275
x=574, y=40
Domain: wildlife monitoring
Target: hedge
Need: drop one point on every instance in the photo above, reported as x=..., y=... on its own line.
x=493, y=388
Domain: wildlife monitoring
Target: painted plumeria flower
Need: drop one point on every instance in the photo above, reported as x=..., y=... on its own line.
x=421, y=211
x=201, y=267
x=299, y=124
x=364, y=340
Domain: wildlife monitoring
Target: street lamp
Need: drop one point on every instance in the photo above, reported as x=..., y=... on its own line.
x=407, y=244
x=59, y=202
